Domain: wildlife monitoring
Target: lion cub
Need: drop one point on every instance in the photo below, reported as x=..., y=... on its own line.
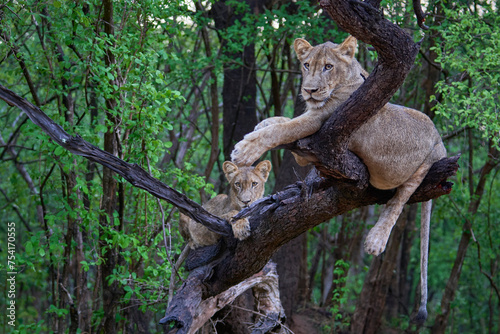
x=246, y=186
x=398, y=145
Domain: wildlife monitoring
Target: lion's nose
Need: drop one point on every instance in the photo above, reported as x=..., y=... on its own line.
x=245, y=202
x=310, y=91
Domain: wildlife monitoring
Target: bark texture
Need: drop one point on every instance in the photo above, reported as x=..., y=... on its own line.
x=240, y=89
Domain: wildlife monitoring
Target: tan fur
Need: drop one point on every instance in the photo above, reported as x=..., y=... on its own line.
x=398, y=144
x=246, y=186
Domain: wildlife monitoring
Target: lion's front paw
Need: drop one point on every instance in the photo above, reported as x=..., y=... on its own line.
x=241, y=228
x=271, y=121
x=376, y=240
x=247, y=151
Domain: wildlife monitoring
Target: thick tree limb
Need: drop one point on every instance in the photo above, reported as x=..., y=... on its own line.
x=274, y=220
x=285, y=215
x=190, y=310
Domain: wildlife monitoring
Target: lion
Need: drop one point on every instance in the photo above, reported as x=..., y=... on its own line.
x=398, y=145
x=246, y=186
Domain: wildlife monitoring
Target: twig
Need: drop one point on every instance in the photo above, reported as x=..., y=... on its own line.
x=417, y=8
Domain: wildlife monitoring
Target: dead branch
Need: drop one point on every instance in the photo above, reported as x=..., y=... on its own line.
x=133, y=173
x=200, y=310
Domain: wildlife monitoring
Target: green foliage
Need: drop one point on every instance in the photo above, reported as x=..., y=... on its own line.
x=469, y=53
x=339, y=297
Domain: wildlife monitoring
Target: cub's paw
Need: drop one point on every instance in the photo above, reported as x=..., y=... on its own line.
x=376, y=240
x=247, y=151
x=241, y=228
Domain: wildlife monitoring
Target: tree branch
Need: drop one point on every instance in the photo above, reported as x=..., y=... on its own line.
x=274, y=220
x=133, y=173
x=199, y=309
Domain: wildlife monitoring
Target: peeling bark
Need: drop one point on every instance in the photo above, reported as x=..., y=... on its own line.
x=191, y=310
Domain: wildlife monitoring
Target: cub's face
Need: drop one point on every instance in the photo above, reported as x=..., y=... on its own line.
x=325, y=68
x=247, y=183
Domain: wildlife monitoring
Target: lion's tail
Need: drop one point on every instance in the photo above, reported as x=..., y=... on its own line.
x=424, y=258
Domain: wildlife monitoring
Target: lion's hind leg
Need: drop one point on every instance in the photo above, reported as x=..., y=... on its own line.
x=379, y=234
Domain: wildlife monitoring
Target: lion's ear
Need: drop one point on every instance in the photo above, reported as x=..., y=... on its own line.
x=302, y=48
x=229, y=169
x=264, y=168
x=348, y=48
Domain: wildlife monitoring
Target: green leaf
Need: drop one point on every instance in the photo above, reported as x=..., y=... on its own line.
x=28, y=247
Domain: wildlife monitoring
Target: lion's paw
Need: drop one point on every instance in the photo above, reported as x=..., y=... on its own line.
x=247, y=151
x=376, y=240
x=271, y=121
x=241, y=228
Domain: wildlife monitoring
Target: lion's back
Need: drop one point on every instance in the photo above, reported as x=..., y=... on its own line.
x=394, y=143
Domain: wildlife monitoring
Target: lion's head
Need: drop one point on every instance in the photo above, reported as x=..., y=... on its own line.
x=247, y=183
x=326, y=69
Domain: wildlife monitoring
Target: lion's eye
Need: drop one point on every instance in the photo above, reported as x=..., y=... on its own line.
x=254, y=184
x=328, y=67
x=306, y=66
x=237, y=184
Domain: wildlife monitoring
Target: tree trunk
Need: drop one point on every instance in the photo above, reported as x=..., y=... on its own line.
x=367, y=318
x=239, y=90
x=239, y=118
x=109, y=253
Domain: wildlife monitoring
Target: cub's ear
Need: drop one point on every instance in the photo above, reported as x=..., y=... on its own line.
x=348, y=48
x=229, y=169
x=264, y=168
x=302, y=48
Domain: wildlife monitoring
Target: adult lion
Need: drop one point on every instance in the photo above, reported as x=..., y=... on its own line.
x=398, y=145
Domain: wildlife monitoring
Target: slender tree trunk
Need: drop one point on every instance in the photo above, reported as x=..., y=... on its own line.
x=214, y=144
x=109, y=201
x=239, y=89
x=433, y=70
x=348, y=243
x=367, y=318
x=406, y=273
